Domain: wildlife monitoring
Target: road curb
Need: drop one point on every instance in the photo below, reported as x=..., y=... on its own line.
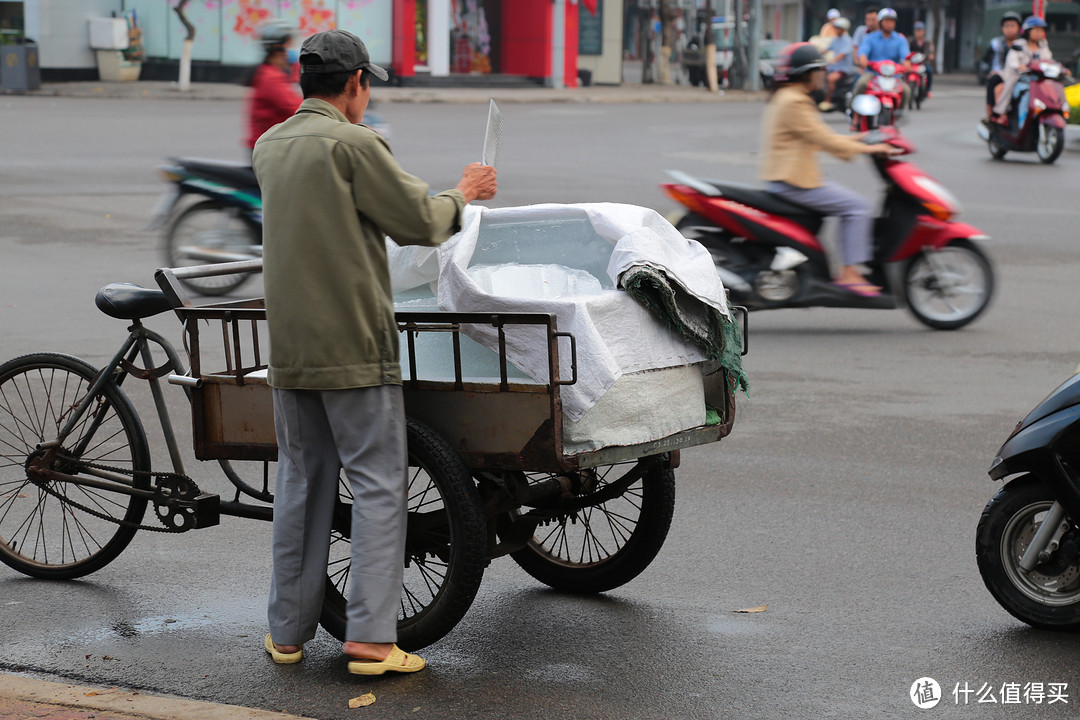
x=158, y=90
x=126, y=702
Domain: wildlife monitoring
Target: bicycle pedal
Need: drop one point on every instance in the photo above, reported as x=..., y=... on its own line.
x=207, y=510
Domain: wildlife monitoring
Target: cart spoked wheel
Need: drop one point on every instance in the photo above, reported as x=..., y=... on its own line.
x=608, y=544
x=445, y=546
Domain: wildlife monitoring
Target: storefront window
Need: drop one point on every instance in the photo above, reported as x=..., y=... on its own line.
x=470, y=37
x=421, y=32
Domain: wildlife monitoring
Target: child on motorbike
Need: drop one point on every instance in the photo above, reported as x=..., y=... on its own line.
x=1032, y=47
x=793, y=134
x=274, y=95
x=999, y=48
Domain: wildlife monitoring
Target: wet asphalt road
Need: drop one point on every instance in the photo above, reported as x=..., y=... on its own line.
x=846, y=499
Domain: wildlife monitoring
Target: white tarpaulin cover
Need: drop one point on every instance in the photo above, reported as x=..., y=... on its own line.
x=567, y=260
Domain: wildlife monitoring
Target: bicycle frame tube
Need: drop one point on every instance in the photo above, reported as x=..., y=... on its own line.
x=137, y=344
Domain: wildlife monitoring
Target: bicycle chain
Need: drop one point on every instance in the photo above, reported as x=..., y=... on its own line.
x=120, y=471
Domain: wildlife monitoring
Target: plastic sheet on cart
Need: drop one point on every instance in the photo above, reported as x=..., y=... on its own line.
x=566, y=260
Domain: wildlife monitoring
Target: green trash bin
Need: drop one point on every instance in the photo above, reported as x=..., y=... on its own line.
x=19, y=66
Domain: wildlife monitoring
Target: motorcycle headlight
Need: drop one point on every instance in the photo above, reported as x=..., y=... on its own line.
x=1051, y=71
x=888, y=84
x=943, y=204
x=888, y=69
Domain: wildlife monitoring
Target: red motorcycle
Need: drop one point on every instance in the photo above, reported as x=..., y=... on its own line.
x=768, y=255
x=887, y=87
x=916, y=78
x=1036, y=118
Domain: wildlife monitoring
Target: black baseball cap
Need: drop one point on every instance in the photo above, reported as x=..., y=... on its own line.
x=337, y=51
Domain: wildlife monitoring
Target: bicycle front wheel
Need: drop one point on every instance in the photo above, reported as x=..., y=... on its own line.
x=54, y=529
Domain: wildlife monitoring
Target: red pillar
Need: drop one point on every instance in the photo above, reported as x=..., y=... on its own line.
x=526, y=37
x=404, y=50
x=571, y=55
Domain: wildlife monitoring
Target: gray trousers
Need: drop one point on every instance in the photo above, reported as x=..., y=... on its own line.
x=320, y=433
x=854, y=212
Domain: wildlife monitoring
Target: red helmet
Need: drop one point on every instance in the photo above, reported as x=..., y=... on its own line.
x=796, y=60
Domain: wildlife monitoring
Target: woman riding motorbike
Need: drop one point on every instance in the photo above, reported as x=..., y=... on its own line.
x=274, y=95
x=793, y=134
x=1032, y=47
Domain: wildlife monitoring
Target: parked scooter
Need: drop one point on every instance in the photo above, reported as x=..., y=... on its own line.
x=768, y=255
x=1036, y=118
x=916, y=78
x=1028, y=540
x=887, y=87
x=225, y=225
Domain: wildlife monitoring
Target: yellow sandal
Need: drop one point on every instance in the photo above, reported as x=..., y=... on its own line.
x=282, y=658
x=397, y=661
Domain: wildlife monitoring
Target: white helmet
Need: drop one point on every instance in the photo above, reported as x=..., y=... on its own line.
x=886, y=14
x=275, y=34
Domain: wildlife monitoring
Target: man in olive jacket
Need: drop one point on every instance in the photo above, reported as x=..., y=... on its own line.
x=332, y=191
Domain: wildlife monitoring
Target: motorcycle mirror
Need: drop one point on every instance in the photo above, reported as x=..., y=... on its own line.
x=866, y=105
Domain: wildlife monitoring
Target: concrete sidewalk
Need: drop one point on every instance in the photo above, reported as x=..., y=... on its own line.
x=628, y=93
x=24, y=697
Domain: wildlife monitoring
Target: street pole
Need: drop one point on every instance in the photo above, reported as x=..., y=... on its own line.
x=710, y=49
x=754, y=30
x=558, y=44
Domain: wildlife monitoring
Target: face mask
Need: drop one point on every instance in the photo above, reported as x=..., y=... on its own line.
x=293, y=55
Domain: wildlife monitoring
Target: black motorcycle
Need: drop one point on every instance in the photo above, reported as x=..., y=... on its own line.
x=1028, y=540
x=223, y=225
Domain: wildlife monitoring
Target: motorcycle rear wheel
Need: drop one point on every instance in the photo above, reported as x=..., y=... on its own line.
x=951, y=289
x=1049, y=596
x=202, y=229
x=1050, y=143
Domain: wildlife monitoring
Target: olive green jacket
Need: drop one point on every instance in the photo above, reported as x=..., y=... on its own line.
x=331, y=192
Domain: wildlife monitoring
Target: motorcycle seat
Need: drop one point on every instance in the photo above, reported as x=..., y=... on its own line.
x=232, y=173
x=762, y=199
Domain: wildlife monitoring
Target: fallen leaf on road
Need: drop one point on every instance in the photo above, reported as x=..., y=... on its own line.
x=759, y=608
x=92, y=693
x=362, y=701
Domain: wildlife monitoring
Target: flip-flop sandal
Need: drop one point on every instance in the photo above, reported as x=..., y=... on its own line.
x=397, y=661
x=282, y=658
x=868, y=290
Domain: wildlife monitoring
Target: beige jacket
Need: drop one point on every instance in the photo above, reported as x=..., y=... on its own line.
x=793, y=133
x=331, y=192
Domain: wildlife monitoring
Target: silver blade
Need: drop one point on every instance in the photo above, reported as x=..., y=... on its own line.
x=492, y=135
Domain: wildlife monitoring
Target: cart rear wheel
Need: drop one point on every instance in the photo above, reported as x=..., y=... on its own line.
x=42, y=531
x=445, y=547
x=603, y=546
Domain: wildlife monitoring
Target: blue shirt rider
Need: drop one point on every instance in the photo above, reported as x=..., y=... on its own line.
x=884, y=44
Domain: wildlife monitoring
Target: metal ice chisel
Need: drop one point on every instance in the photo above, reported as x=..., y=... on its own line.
x=492, y=136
